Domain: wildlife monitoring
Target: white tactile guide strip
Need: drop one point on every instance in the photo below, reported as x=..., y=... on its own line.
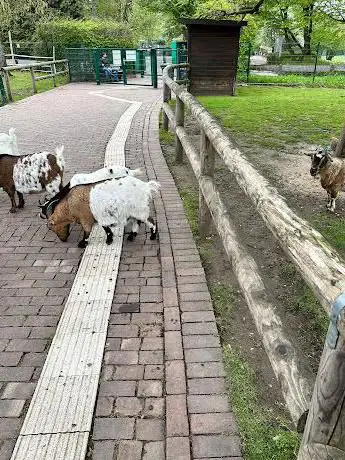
x=59, y=418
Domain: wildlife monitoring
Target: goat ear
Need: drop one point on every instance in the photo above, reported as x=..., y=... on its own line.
x=330, y=156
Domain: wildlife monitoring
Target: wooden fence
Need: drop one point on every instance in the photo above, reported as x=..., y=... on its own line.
x=51, y=73
x=321, y=411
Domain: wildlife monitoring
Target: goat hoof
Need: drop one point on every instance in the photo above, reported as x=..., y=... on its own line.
x=82, y=244
x=153, y=236
x=13, y=210
x=109, y=241
x=21, y=205
x=130, y=237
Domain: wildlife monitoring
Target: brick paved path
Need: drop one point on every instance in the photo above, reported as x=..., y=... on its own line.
x=162, y=388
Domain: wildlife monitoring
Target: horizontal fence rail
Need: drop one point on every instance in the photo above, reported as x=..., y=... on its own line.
x=318, y=263
x=50, y=69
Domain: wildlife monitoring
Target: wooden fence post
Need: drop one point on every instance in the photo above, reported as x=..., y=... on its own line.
x=324, y=433
x=166, y=98
x=179, y=121
x=53, y=71
x=34, y=87
x=340, y=149
x=207, y=158
x=8, y=85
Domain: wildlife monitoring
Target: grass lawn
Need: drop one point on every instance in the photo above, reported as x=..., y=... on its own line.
x=323, y=81
x=21, y=84
x=273, y=117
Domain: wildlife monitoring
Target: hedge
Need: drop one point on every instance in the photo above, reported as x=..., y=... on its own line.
x=64, y=33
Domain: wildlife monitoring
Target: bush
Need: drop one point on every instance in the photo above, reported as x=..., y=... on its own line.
x=64, y=33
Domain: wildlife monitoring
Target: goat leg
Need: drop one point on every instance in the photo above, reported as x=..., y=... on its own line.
x=333, y=198
x=83, y=243
x=110, y=235
x=11, y=193
x=153, y=227
x=135, y=227
x=21, y=200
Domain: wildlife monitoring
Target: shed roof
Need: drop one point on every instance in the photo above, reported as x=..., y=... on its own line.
x=213, y=22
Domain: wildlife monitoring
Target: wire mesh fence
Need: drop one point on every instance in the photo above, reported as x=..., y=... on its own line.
x=292, y=65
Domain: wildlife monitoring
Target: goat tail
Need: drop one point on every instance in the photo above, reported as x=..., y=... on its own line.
x=59, y=157
x=135, y=172
x=153, y=186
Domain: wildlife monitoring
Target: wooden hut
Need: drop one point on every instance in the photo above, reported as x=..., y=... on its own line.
x=213, y=48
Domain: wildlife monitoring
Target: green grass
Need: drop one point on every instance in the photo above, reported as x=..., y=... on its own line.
x=166, y=136
x=264, y=437
x=320, y=81
x=21, y=84
x=303, y=300
x=333, y=229
x=272, y=117
x=223, y=300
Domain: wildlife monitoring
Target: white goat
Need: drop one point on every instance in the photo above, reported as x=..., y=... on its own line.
x=110, y=203
x=110, y=172
x=8, y=143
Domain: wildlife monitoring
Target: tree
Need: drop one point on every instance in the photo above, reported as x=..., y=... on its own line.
x=73, y=9
x=173, y=11
x=147, y=26
x=334, y=9
x=14, y=11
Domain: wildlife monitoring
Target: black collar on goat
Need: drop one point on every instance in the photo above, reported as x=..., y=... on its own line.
x=48, y=207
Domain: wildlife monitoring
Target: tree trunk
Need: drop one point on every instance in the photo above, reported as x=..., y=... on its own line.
x=308, y=29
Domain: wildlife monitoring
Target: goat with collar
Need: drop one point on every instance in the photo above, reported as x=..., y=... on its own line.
x=331, y=171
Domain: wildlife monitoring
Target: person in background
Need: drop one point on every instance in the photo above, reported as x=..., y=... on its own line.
x=109, y=72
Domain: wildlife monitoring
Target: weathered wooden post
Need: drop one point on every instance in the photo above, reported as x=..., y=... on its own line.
x=166, y=98
x=207, y=158
x=179, y=121
x=340, y=149
x=34, y=87
x=324, y=433
x=8, y=85
x=53, y=71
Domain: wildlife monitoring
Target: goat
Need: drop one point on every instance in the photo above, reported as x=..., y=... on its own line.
x=331, y=171
x=110, y=172
x=8, y=143
x=101, y=175
x=31, y=174
x=110, y=203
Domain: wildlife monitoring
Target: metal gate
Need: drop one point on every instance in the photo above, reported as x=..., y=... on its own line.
x=126, y=66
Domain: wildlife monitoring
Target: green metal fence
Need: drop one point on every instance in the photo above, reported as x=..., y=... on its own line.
x=291, y=66
x=124, y=66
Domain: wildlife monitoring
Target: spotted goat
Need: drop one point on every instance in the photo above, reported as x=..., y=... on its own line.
x=33, y=173
x=331, y=171
x=110, y=203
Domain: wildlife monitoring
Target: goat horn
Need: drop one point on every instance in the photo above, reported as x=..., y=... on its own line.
x=307, y=154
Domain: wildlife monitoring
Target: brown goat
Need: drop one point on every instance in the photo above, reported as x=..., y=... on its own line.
x=31, y=174
x=332, y=174
x=75, y=207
